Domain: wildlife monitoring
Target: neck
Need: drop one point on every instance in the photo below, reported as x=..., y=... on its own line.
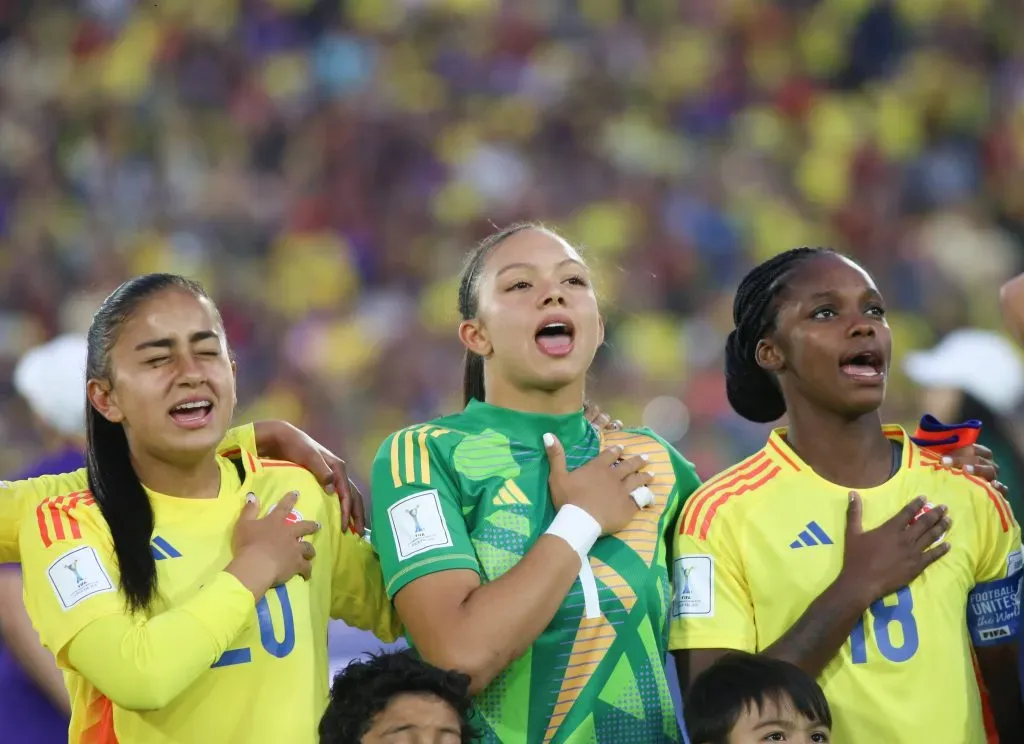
x=199, y=479
x=568, y=399
x=848, y=452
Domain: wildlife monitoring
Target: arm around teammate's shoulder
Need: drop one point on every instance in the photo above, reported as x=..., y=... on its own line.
x=993, y=607
x=142, y=661
x=430, y=567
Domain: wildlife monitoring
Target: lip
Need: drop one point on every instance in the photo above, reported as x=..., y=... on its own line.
x=560, y=351
x=198, y=422
x=860, y=360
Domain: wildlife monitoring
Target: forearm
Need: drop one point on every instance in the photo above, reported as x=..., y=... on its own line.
x=20, y=637
x=819, y=634
x=500, y=620
x=1011, y=298
x=998, y=665
x=145, y=664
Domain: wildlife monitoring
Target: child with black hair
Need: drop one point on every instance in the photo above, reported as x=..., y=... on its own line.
x=825, y=548
x=397, y=694
x=745, y=699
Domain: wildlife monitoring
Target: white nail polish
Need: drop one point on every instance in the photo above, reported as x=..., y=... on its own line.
x=947, y=460
x=549, y=440
x=969, y=469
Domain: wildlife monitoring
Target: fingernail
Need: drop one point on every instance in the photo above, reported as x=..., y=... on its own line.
x=549, y=440
x=318, y=525
x=969, y=469
x=329, y=488
x=250, y=498
x=645, y=458
x=947, y=460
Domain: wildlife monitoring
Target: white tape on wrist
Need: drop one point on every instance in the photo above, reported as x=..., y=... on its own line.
x=581, y=531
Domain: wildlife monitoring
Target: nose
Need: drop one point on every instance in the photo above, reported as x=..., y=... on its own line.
x=553, y=296
x=190, y=371
x=861, y=328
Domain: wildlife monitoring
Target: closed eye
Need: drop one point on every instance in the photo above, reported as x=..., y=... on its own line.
x=157, y=361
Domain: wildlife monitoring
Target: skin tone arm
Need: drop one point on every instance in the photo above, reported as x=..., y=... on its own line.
x=1011, y=299
x=23, y=641
x=459, y=624
x=998, y=666
x=875, y=564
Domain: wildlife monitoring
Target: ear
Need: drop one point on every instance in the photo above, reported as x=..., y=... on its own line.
x=474, y=337
x=769, y=356
x=101, y=397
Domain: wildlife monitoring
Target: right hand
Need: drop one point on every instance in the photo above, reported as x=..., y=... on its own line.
x=886, y=559
x=270, y=550
x=601, y=487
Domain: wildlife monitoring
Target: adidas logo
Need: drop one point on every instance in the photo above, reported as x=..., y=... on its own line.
x=811, y=536
x=161, y=549
x=510, y=494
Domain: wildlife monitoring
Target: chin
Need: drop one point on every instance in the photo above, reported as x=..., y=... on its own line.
x=866, y=403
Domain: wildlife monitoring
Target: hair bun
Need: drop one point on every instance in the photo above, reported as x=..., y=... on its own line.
x=752, y=392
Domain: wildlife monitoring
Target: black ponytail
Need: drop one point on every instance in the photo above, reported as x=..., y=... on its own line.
x=112, y=479
x=753, y=392
x=473, y=375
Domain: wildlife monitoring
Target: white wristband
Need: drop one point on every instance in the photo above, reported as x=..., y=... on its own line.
x=577, y=528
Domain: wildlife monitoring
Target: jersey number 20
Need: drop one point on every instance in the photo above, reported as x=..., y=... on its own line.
x=268, y=636
x=885, y=616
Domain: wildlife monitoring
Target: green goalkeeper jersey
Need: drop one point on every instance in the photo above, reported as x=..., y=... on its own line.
x=470, y=491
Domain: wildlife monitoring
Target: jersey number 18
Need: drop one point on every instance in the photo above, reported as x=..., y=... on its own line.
x=885, y=615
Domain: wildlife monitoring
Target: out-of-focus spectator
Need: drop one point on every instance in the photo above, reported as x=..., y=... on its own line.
x=394, y=696
x=33, y=700
x=745, y=699
x=976, y=374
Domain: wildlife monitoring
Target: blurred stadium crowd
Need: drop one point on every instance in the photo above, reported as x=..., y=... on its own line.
x=323, y=165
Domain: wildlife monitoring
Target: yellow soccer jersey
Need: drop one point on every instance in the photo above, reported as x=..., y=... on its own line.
x=17, y=497
x=272, y=684
x=756, y=544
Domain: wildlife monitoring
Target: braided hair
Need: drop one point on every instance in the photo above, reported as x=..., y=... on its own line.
x=753, y=392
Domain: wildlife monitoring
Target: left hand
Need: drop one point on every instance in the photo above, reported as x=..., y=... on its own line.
x=283, y=441
x=976, y=459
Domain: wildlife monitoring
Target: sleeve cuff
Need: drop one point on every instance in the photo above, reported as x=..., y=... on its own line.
x=428, y=566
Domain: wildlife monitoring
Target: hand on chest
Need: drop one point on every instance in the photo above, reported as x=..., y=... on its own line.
x=792, y=555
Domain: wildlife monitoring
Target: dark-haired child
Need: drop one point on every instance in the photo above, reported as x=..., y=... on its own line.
x=745, y=699
x=397, y=697
x=830, y=548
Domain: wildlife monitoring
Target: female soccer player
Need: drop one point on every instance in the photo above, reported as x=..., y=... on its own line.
x=180, y=603
x=547, y=585
x=795, y=553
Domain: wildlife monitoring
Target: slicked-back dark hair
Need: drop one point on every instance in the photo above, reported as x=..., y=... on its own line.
x=469, y=302
x=753, y=392
x=738, y=681
x=364, y=688
x=112, y=478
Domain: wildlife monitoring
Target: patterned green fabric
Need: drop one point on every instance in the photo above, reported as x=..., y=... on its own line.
x=470, y=491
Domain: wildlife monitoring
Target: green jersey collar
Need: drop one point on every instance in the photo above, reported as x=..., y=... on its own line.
x=529, y=428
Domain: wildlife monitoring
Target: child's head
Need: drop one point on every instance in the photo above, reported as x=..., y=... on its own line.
x=745, y=699
x=396, y=697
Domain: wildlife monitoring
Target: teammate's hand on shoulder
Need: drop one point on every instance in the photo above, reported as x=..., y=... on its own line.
x=269, y=550
x=600, y=419
x=883, y=560
x=601, y=488
x=976, y=459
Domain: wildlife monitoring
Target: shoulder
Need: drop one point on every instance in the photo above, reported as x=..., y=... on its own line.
x=957, y=486
x=274, y=478
x=62, y=509
x=733, y=491
x=430, y=439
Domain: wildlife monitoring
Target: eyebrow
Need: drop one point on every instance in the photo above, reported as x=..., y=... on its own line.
x=524, y=265
x=830, y=293
x=169, y=343
x=403, y=727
